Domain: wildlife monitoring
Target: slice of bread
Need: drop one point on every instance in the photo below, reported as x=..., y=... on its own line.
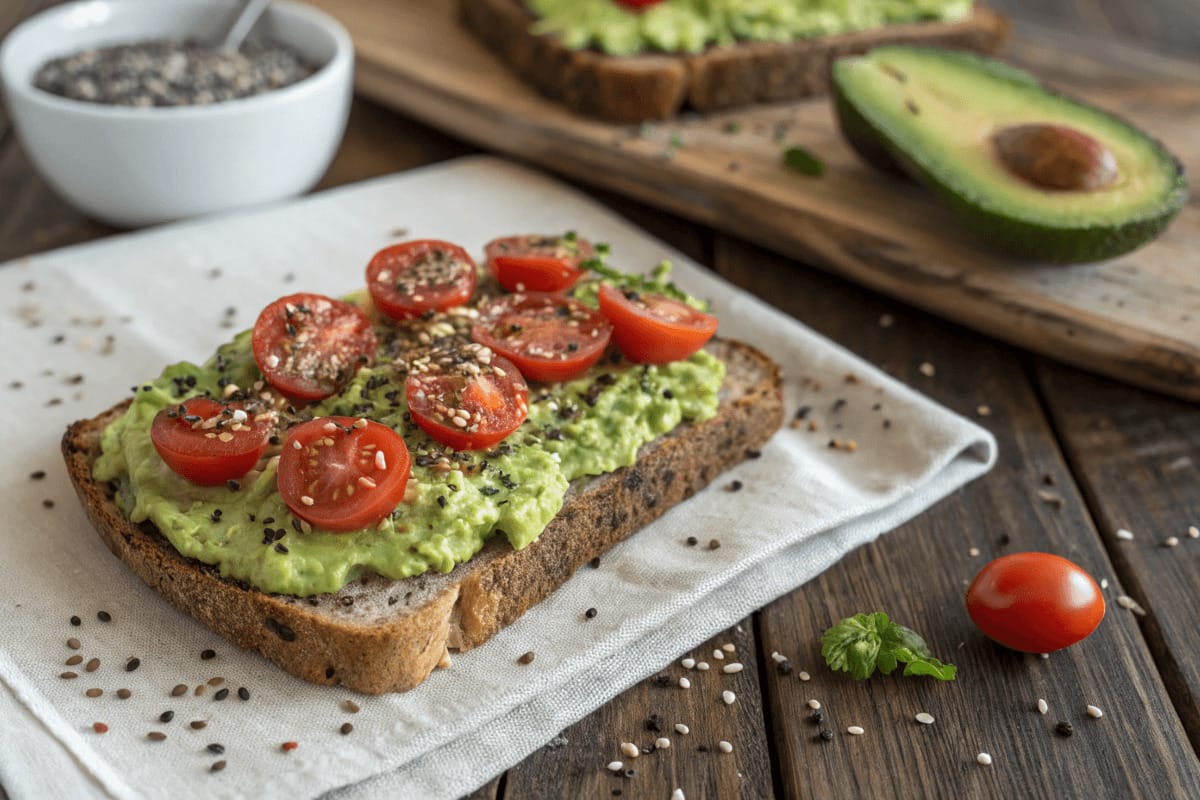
x=659, y=86
x=378, y=635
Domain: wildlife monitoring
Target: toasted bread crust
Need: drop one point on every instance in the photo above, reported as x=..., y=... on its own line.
x=319, y=641
x=656, y=87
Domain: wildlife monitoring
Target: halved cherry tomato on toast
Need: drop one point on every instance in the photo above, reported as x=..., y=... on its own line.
x=538, y=263
x=549, y=337
x=1035, y=602
x=209, y=442
x=308, y=345
x=469, y=399
x=410, y=278
x=342, y=473
x=652, y=328
x=637, y=5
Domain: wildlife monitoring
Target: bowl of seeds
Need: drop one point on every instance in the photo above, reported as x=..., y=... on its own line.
x=134, y=112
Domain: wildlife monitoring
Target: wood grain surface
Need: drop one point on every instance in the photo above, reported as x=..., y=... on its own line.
x=1136, y=317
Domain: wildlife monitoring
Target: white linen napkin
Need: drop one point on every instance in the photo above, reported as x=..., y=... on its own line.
x=165, y=294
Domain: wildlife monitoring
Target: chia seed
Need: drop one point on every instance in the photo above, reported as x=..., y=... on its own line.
x=170, y=72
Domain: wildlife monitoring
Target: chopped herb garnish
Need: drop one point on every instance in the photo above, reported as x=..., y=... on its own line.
x=802, y=161
x=866, y=642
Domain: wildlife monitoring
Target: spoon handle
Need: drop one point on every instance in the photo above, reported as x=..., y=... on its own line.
x=245, y=21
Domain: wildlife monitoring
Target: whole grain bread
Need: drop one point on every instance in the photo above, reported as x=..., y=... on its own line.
x=659, y=86
x=378, y=635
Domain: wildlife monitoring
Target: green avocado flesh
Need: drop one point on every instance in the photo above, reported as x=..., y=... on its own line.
x=588, y=426
x=934, y=113
x=690, y=26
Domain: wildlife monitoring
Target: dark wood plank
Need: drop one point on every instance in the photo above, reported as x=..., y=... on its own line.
x=1137, y=457
x=1161, y=24
x=918, y=573
x=489, y=791
x=692, y=763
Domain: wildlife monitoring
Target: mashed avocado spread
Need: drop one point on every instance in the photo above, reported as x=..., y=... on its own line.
x=455, y=501
x=690, y=26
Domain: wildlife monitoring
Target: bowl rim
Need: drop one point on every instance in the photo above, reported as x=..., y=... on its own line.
x=341, y=61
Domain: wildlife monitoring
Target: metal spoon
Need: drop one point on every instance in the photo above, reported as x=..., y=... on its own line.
x=244, y=22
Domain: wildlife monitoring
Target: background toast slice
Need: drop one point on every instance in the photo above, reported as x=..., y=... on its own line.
x=658, y=86
x=377, y=635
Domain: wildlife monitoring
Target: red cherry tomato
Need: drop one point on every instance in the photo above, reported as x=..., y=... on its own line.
x=410, y=278
x=653, y=329
x=469, y=400
x=638, y=5
x=1035, y=602
x=209, y=442
x=342, y=473
x=308, y=345
x=548, y=336
x=537, y=263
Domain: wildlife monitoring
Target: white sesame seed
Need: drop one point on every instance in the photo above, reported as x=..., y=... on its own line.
x=360, y=423
x=688, y=663
x=855, y=730
x=728, y=697
x=814, y=704
x=927, y=369
x=973, y=552
x=925, y=718
x=731, y=668
x=1124, y=534
x=724, y=746
x=983, y=759
x=1043, y=656
x=662, y=743
x=729, y=648
x=804, y=676
x=778, y=657
x=886, y=320
x=1171, y=541
x=718, y=655
x=308, y=501
x=983, y=410
x=296, y=445
x=616, y=766
x=630, y=750
x=1094, y=712
x=684, y=683
x=702, y=666
x=1194, y=532
x=681, y=729
x=1128, y=603
x=1104, y=583
x=330, y=427
x=1042, y=706
x=366, y=482
x=272, y=361
x=677, y=795
x=239, y=415
x=380, y=460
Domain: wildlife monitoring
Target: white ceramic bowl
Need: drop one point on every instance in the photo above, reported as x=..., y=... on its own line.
x=138, y=166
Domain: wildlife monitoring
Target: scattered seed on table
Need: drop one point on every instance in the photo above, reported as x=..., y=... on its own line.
x=1193, y=532
x=288, y=747
x=714, y=544
x=973, y=552
x=1064, y=729
x=346, y=728
x=724, y=746
x=205, y=655
x=662, y=743
x=1171, y=541
x=124, y=694
x=688, y=663
x=132, y=664
x=156, y=736
x=75, y=659
x=218, y=766
x=1104, y=583
x=925, y=718
x=1042, y=706
x=784, y=667
x=684, y=683
x=804, y=676
x=677, y=795
x=927, y=369
x=728, y=697
x=983, y=759
x=526, y=658
x=630, y=750
x=692, y=541
x=76, y=621
x=198, y=724
x=199, y=691
x=94, y=692
x=221, y=694
x=718, y=655
x=99, y=727
x=702, y=666
x=816, y=717
x=814, y=704
x=729, y=647
x=216, y=748
x=48, y=503
x=350, y=706
x=68, y=675
x=886, y=320
x=826, y=735
x=243, y=693
x=591, y=613
x=104, y=616
x=180, y=688
x=681, y=729
x=73, y=643
x=215, y=681
x=1122, y=533
x=615, y=766
x=855, y=730
x=1094, y=712
x=166, y=716
x=730, y=669
x=92, y=665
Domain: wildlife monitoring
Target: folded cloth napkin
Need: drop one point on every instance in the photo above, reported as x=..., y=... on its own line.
x=84, y=324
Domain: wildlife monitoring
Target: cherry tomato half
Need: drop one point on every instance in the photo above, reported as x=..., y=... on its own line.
x=308, y=345
x=548, y=336
x=209, y=442
x=1035, y=602
x=638, y=5
x=342, y=473
x=537, y=263
x=469, y=399
x=653, y=329
x=410, y=278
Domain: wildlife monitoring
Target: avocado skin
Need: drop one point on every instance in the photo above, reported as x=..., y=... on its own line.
x=1023, y=238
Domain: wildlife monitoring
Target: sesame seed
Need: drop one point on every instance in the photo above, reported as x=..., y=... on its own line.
x=729, y=648
x=973, y=552
x=591, y=613
x=199, y=691
x=1064, y=729
x=662, y=743
x=221, y=694
x=1104, y=583
x=924, y=718
x=616, y=766
x=983, y=759
x=927, y=369
x=688, y=663
x=630, y=750
x=983, y=410
x=92, y=665
x=73, y=660
x=73, y=643
x=76, y=621
x=730, y=669
x=94, y=692
x=306, y=500
x=677, y=795
x=216, y=748
x=526, y=658
x=1042, y=706
x=166, y=716
x=346, y=728
x=702, y=666
x=350, y=706
x=217, y=766
x=205, y=655
x=804, y=676
x=198, y=724
x=124, y=694
x=179, y=689
x=380, y=460
x=244, y=693
x=724, y=746
x=684, y=683
x=815, y=705
x=718, y=655
x=1171, y=541
x=104, y=616
x=68, y=675
x=156, y=736
x=1094, y=712
x=855, y=730
x=132, y=664
x=728, y=697
x=1122, y=533
x=778, y=657
x=681, y=729
x=1193, y=532
x=886, y=320
x=1128, y=603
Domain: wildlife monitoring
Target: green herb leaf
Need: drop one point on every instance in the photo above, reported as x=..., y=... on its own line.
x=654, y=283
x=866, y=642
x=802, y=161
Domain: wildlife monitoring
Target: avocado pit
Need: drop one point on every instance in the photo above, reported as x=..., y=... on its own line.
x=1056, y=157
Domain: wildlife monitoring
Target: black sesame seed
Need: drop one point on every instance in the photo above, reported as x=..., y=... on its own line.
x=205, y=655
x=244, y=693
x=785, y=668
x=595, y=562
x=221, y=694
x=662, y=680
x=216, y=748
x=826, y=735
x=346, y=728
x=132, y=664
x=47, y=503
x=1064, y=729
x=654, y=723
x=817, y=717
x=166, y=716
x=104, y=616
x=590, y=613
x=736, y=486
x=629, y=773
x=76, y=621
x=37, y=475
x=280, y=547
x=692, y=541
x=233, y=485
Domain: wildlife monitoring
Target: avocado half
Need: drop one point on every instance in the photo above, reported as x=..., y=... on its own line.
x=933, y=114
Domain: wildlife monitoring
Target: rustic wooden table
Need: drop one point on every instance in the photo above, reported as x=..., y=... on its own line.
x=1080, y=458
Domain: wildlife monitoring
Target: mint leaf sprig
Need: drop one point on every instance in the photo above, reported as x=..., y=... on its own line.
x=866, y=642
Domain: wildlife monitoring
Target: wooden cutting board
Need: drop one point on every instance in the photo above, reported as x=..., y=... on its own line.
x=1136, y=318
